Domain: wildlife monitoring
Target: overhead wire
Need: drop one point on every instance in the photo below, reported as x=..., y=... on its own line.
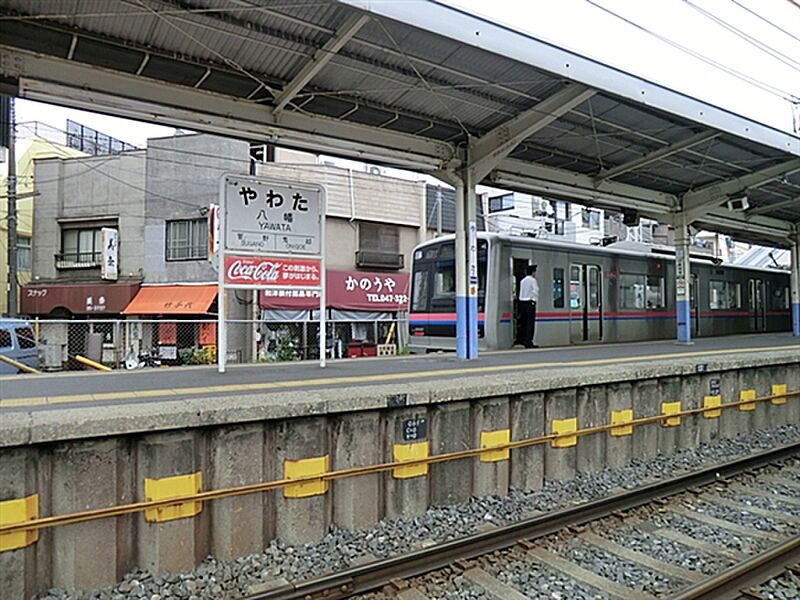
x=767, y=21
x=776, y=54
x=766, y=87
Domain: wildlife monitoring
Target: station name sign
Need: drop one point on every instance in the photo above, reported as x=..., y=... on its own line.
x=271, y=217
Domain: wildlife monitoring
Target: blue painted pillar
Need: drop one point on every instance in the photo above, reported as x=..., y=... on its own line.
x=462, y=311
x=472, y=265
x=794, y=283
x=683, y=278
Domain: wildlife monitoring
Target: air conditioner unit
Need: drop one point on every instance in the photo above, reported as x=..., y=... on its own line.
x=738, y=203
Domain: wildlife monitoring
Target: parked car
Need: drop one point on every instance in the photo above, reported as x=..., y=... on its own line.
x=18, y=343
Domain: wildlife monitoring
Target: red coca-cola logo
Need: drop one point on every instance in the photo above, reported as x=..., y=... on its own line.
x=271, y=271
x=264, y=271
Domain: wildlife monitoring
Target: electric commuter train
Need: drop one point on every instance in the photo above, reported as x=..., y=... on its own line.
x=588, y=294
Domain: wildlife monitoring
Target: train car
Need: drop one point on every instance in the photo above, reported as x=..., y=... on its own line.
x=588, y=294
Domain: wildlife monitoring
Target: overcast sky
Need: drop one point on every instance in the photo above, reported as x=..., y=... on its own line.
x=763, y=49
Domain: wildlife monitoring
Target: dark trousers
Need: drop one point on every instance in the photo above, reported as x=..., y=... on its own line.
x=527, y=317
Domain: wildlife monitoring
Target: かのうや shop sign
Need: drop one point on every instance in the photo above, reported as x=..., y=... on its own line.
x=270, y=217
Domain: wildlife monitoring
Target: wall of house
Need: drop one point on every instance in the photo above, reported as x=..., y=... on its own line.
x=92, y=188
x=183, y=175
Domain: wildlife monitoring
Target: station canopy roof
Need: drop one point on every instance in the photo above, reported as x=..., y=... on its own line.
x=414, y=84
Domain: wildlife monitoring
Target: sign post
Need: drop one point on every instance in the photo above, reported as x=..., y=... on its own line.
x=272, y=236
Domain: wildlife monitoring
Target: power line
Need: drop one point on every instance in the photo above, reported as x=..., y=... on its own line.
x=745, y=36
x=767, y=21
x=775, y=91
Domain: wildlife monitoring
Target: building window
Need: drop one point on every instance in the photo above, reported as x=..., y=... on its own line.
x=558, y=288
x=24, y=256
x=590, y=218
x=80, y=248
x=379, y=246
x=187, y=240
x=499, y=203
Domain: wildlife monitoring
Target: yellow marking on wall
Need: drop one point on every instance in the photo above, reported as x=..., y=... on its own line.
x=70, y=398
x=747, y=395
x=711, y=402
x=110, y=396
x=16, y=511
x=407, y=453
x=492, y=439
x=777, y=390
x=173, y=487
x=563, y=427
x=671, y=408
x=154, y=393
x=23, y=402
x=306, y=467
x=617, y=418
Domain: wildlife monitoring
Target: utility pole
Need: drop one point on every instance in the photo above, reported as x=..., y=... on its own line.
x=12, y=213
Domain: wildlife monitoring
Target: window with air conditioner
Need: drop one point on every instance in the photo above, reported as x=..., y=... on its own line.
x=379, y=246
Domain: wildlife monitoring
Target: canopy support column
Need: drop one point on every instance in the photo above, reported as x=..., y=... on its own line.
x=683, y=278
x=794, y=282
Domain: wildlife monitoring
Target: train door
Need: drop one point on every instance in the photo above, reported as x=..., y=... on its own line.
x=585, y=303
x=758, y=309
x=518, y=267
x=694, y=305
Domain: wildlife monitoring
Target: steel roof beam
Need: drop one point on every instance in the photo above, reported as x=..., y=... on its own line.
x=760, y=210
x=487, y=152
x=322, y=56
x=652, y=157
x=91, y=88
x=775, y=230
x=544, y=180
x=699, y=202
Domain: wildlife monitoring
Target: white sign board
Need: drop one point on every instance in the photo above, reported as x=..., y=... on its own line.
x=272, y=236
x=109, y=267
x=265, y=217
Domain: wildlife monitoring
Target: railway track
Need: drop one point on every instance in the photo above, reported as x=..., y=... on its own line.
x=570, y=550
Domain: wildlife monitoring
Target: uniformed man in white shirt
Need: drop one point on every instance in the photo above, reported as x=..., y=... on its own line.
x=528, y=297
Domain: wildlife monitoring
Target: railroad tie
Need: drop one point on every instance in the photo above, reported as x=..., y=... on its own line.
x=724, y=525
x=411, y=594
x=492, y=586
x=699, y=545
x=572, y=571
x=754, y=510
x=671, y=571
x=788, y=500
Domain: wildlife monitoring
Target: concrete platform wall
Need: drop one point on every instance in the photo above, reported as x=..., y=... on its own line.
x=71, y=475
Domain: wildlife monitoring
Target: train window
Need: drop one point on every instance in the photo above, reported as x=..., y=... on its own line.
x=558, y=288
x=444, y=280
x=724, y=295
x=654, y=292
x=419, y=291
x=575, y=285
x=631, y=291
x=780, y=299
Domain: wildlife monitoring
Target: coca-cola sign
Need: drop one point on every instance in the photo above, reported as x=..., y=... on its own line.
x=267, y=271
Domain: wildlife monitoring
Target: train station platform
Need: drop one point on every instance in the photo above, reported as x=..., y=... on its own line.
x=58, y=391
x=167, y=466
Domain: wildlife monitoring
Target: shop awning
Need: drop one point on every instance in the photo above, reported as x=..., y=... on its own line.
x=347, y=290
x=172, y=300
x=78, y=299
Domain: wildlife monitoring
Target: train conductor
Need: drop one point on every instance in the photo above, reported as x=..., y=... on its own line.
x=528, y=297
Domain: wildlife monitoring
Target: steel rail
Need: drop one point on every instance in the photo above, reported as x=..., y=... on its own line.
x=752, y=571
x=374, y=575
x=210, y=495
